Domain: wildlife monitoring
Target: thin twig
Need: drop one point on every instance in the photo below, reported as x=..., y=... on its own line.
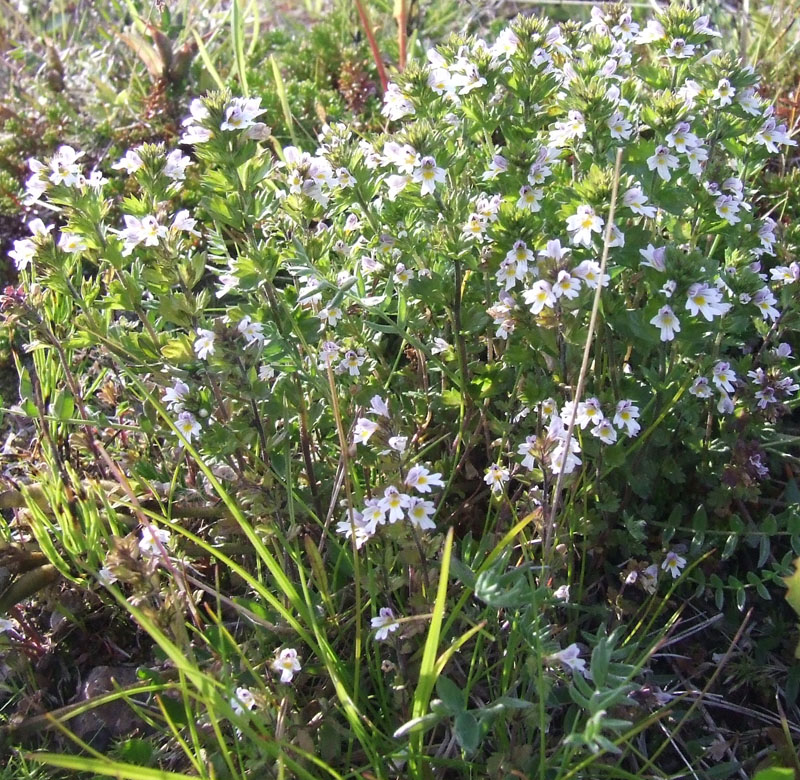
x=549, y=530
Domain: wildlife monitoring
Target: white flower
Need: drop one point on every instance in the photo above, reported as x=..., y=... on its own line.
x=635, y=200
x=421, y=479
x=152, y=539
x=572, y=127
x=364, y=429
x=700, y=388
x=673, y=563
x=705, y=300
x=23, y=253
x=667, y=322
x=393, y=503
x=175, y=396
x=605, y=431
x=428, y=174
x=253, y=332
x=724, y=93
x=176, y=165
x=187, y=424
x=626, y=416
x=71, y=242
x=765, y=301
x=420, y=513
x=130, y=162
x=724, y=376
x=395, y=104
x=539, y=296
x=528, y=448
x=398, y=443
x=619, y=127
x=385, y=623
x=529, y=198
x=352, y=362
x=697, y=158
x=204, y=344
x=241, y=113
x=287, y=664
x=562, y=593
x=589, y=272
x=680, y=49
x=728, y=208
x=496, y=476
x=681, y=138
x=662, y=161
x=243, y=700
x=64, y=168
x=566, y=285
x=582, y=224
x=570, y=657
x=184, y=222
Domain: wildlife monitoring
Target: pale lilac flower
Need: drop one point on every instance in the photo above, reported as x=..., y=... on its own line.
x=570, y=657
x=706, y=300
x=364, y=429
x=175, y=396
x=385, y=623
x=724, y=376
x=654, y=257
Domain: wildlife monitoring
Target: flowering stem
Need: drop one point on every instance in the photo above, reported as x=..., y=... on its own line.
x=549, y=529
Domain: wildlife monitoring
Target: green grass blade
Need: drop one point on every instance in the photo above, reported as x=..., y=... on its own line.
x=280, y=87
x=105, y=768
x=427, y=670
x=237, y=39
x=204, y=55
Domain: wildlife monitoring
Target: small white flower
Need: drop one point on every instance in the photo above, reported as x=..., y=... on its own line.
x=243, y=700
x=582, y=224
x=662, y=161
x=667, y=322
x=420, y=513
x=673, y=563
x=421, y=479
x=204, y=344
x=187, y=424
x=385, y=623
x=287, y=664
x=496, y=476
x=152, y=539
x=570, y=657
x=364, y=429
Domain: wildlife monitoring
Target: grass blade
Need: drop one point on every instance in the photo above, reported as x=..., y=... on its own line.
x=237, y=39
x=427, y=670
x=280, y=87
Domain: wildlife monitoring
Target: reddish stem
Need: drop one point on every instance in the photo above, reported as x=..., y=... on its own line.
x=373, y=44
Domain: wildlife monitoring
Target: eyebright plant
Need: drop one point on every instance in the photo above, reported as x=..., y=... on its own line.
x=374, y=341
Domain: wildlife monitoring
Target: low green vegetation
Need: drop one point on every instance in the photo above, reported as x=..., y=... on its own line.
x=398, y=392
